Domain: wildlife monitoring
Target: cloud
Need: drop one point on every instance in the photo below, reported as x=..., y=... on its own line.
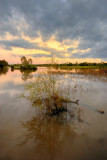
x=84, y=21
x=39, y=55
x=21, y=43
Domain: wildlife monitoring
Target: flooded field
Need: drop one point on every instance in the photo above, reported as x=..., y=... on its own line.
x=78, y=134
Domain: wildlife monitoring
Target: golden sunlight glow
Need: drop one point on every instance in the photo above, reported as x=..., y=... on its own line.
x=13, y=55
x=53, y=43
x=22, y=51
x=81, y=51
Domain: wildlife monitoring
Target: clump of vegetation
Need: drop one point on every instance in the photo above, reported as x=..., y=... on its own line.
x=27, y=64
x=46, y=93
x=3, y=63
x=12, y=67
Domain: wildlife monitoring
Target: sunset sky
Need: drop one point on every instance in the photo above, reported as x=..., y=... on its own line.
x=71, y=30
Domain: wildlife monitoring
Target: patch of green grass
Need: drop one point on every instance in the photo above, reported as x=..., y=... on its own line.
x=81, y=67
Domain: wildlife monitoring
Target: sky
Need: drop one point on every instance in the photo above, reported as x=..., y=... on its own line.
x=69, y=30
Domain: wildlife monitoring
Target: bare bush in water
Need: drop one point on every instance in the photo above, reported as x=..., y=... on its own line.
x=45, y=92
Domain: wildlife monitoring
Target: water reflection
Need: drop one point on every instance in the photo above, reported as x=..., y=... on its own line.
x=26, y=75
x=49, y=134
x=61, y=137
x=100, y=74
x=3, y=71
x=79, y=134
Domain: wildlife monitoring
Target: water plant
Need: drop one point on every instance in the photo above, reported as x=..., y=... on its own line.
x=46, y=92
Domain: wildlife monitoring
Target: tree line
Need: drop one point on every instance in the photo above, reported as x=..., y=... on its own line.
x=26, y=63
x=84, y=64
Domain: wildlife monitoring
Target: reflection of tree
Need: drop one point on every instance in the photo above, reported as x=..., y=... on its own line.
x=3, y=71
x=27, y=74
x=49, y=134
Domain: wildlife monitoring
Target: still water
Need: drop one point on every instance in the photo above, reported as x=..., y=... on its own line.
x=79, y=134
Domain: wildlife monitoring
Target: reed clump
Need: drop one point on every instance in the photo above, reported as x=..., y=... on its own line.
x=46, y=93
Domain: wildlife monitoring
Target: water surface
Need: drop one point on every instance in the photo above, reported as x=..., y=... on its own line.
x=79, y=134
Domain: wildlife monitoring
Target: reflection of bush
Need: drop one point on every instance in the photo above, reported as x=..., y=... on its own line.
x=4, y=70
x=47, y=136
x=50, y=134
x=26, y=74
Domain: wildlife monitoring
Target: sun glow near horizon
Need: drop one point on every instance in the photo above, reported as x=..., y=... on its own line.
x=41, y=51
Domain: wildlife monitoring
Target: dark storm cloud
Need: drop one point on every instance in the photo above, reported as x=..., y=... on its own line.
x=8, y=44
x=21, y=43
x=85, y=20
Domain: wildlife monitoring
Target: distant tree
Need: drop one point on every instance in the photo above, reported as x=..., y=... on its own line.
x=3, y=63
x=26, y=64
x=30, y=61
x=25, y=61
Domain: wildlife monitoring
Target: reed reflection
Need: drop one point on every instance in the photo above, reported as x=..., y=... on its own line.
x=100, y=74
x=50, y=134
